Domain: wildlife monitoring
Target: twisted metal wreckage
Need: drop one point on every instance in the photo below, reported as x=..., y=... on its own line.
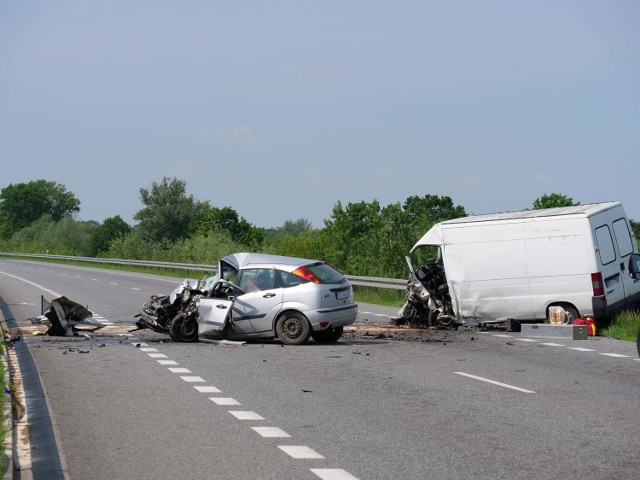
x=64, y=317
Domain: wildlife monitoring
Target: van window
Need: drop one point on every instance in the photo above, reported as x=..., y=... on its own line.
x=623, y=237
x=605, y=244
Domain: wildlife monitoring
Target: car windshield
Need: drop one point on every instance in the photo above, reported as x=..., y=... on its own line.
x=209, y=281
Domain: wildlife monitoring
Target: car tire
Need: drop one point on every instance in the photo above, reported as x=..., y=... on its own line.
x=330, y=335
x=183, y=328
x=292, y=328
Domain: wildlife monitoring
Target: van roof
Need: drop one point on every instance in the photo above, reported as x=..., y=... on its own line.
x=586, y=210
x=434, y=235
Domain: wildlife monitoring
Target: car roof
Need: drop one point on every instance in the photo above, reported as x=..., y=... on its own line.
x=241, y=260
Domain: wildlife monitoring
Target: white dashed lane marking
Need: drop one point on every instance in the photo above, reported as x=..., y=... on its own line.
x=299, y=451
x=179, y=370
x=500, y=384
x=271, y=432
x=245, y=415
x=224, y=401
x=332, y=474
x=576, y=349
x=206, y=389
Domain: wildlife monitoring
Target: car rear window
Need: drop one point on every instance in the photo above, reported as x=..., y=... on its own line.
x=325, y=273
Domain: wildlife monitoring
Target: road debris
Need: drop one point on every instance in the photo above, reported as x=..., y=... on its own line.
x=64, y=317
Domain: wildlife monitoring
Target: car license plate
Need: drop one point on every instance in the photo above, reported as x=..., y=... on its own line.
x=342, y=295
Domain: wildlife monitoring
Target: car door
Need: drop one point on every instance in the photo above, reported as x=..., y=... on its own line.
x=255, y=310
x=213, y=315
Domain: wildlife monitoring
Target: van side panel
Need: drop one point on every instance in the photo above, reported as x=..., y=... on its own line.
x=493, y=282
x=559, y=263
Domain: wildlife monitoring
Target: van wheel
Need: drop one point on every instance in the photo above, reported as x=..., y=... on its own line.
x=293, y=328
x=570, y=314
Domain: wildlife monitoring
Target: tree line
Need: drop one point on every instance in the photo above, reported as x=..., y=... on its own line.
x=359, y=238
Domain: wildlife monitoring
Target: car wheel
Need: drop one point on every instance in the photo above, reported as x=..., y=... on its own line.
x=330, y=335
x=183, y=328
x=293, y=328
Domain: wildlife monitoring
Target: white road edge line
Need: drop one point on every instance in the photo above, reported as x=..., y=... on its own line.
x=500, y=384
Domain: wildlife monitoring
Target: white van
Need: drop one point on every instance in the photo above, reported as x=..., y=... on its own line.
x=516, y=265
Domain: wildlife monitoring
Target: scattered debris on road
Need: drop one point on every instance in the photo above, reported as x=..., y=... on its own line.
x=64, y=317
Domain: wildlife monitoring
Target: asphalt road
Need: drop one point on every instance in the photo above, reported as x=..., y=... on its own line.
x=376, y=405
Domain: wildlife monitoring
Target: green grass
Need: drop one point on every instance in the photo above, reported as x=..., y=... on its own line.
x=624, y=327
x=379, y=296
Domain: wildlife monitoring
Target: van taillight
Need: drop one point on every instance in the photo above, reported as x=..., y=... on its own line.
x=596, y=283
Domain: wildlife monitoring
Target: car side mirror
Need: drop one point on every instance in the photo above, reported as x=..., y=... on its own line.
x=634, y=266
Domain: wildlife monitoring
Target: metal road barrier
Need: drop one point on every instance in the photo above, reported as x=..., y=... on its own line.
x=392, y=283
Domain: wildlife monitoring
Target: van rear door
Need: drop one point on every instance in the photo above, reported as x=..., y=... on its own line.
x=624, y=244
x=609, y=267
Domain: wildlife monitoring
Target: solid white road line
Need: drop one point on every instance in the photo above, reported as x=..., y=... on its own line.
x=299, y=451
x=500, y=384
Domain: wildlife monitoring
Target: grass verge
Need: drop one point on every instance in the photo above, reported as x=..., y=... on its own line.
x=624, y=327
x=379, y=296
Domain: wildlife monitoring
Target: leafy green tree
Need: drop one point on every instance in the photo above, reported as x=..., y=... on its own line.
x=64, y=237
x=22, y=204
x=635, y=226
x=365, y=239
x=103, y=235
x=295, y=228
x=552, y=200
x=168, y=211
x=211, y=219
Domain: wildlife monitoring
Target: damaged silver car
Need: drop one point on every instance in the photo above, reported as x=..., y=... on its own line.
x=261, y=296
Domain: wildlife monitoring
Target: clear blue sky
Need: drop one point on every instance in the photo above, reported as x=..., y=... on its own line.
x=281, y=108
